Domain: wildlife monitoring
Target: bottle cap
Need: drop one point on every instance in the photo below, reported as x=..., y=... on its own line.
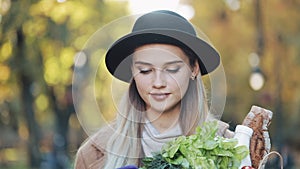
x=244, y=129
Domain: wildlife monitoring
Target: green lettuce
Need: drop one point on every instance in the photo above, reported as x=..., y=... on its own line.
x=203, y=150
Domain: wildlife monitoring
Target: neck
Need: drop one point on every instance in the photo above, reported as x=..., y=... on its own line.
x=164, y=121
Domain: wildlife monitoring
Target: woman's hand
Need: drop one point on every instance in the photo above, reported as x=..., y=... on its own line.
x=258, y=119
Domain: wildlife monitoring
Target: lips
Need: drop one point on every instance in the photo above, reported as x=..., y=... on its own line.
x=159, y=96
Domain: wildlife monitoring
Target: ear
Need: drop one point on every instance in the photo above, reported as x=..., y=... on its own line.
x=196, y=69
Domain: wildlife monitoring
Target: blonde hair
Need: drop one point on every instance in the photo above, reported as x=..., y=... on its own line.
x=124, y=146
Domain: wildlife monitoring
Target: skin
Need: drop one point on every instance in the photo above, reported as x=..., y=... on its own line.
x=162, y=73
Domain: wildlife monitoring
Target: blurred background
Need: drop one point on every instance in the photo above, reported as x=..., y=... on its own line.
x=259, y=42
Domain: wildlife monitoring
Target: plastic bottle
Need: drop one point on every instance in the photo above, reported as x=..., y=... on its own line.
x=243, y=134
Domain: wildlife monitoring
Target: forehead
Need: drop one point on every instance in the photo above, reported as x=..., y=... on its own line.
x=159, y=53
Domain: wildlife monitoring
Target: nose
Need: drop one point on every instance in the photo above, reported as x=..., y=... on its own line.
x=159, y=80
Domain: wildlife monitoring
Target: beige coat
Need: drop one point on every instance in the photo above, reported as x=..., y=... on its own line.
x=91, y=155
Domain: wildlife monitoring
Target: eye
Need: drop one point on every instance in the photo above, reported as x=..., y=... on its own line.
x=172, y=69
x=145, y=71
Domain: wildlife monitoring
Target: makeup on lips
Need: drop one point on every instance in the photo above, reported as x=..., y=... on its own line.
x=159, y=96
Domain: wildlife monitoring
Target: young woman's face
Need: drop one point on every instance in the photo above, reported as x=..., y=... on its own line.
x=162, y=73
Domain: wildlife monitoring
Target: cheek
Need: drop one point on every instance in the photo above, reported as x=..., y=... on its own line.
x=180, y=84
x=183, y=87
x=141, y=84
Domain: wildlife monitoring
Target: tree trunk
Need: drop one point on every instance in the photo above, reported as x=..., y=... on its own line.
x=27, y=100
x=60, y=141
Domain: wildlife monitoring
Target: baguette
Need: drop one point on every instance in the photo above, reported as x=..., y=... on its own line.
x=258, y=119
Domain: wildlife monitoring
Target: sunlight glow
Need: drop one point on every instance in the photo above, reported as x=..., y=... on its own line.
x=186, y=11
x=143, y=6
x=61, y=1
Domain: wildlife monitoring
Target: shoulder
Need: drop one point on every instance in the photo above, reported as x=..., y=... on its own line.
x=92, y=152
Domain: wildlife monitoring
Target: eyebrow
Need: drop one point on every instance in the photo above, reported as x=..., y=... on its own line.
x=168, y=63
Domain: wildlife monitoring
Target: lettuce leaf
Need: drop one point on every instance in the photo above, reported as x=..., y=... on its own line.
x=202, y=150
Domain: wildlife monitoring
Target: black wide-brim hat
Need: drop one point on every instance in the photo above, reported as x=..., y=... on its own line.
x=164, y=27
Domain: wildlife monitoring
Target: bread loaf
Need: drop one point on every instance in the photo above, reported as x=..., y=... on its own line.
x=258, y=119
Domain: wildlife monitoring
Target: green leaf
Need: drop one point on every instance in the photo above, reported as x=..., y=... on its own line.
x=222, y=152
x=241, y=152
x=210, y=144
x=203, y=150
x=227, y=143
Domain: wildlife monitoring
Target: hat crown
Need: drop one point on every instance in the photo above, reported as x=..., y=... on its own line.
x=164, y=27
x=163, y=20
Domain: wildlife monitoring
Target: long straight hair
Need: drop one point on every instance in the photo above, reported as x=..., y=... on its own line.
x=124, y=146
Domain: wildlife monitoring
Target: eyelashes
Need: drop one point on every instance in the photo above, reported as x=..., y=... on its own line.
x=146, y=71
x=173, y=70
x=168, y=70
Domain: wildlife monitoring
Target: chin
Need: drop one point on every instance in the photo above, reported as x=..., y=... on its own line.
x=165, y=108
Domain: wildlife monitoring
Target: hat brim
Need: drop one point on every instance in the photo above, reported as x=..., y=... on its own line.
x=209, y=58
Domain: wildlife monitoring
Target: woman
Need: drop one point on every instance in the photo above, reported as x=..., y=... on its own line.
x=163, y=60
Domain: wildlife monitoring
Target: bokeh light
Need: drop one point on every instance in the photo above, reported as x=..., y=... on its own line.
x=254, y=60
x=256, y=81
